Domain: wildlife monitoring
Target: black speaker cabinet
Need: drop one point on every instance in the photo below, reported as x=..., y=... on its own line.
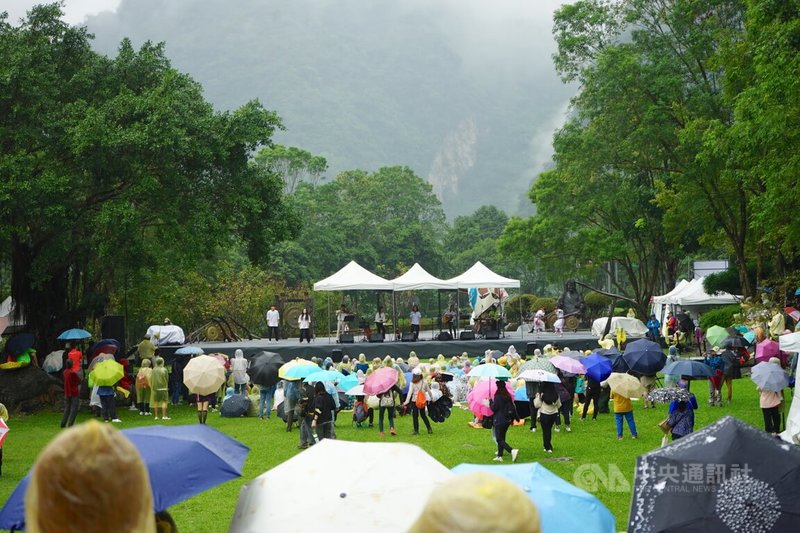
x=337, y=354
x=531, y=348
x=492, y=335
x=113, y=327
x=407, y=337
x=346, y=338
x=444, y=336
x=466, y=336
x=376, y=337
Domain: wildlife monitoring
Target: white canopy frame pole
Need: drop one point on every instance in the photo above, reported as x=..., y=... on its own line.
x=329, y=319
x=521, y=318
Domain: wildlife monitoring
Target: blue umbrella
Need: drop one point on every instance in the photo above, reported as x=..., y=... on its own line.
x=521, y=394
x=562, y=506
x=408, y=382
x=348, y=382
x=19, y=343
x=694, y=369
x=769, y=377
x=301, y=371
x=182, y=461
x=598, y=367
x=189, y=350
x=74, y=334
x=645, y=357
x=324, y=375
x=489, y=370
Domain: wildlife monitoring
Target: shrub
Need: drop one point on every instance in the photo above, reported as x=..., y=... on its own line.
x=512, y=306
x=548, y=304
x=721, y=316
x=596, y=304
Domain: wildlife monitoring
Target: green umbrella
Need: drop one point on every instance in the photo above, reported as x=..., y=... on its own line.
x=716, y=334
x=107, y=373
x=538, y=363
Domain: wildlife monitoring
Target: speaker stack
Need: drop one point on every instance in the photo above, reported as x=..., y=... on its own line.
x=376, y=337
x=337, y=354
x=492, y=335
x=466, y=336
x=346, y=338
x=444, y=336
x=407, y=337
x=531, y=348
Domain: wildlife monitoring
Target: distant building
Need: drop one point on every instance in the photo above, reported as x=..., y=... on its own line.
x=704, y=268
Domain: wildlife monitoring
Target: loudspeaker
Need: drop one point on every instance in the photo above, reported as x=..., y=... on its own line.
x=466, y=336
x=407, y=337
x=376, y=337
x=492, y=335
x=444, y=336
x=337, y=354
x=531, y=347
x=346, y=338
x=113, y=327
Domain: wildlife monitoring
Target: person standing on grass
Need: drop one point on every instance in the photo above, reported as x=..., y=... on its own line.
x=771, y=403
x=386, y=405
x=4, y=418
x=548, y=404
x=202, y=401
x=239, y=369
x=323, y=412
x=592, y=396
x=565, y=390
x=417, y=385
x=159, y=389
x=505, y=413
x=143, y=387
x=266, y=395
x=681, y=420
x=623, y=408
x=72, y=385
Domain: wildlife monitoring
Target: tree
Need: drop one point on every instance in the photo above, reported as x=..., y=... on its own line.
x=293, y=164
x=107, y=163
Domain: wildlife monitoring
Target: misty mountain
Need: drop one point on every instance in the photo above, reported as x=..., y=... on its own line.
x=463, y=92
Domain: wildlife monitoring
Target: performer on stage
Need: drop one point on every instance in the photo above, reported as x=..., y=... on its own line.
x=450, y=320
x=380, y=321
x=558, y=327
x=538, y=322
x=416, y=317
x=304, y=323
x=273, y=322
x=341, y=324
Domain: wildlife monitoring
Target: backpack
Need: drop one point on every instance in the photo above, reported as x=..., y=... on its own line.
x=421, y=400
x=359, y=412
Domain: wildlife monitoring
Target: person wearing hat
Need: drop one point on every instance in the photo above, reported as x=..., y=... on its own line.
x=417, y=385
x=653, y=328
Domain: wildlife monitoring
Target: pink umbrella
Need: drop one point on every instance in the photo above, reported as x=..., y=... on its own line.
x=380, y=381
x=766, y=349
x=567, y=364
x=3, y=432
x=484, y=390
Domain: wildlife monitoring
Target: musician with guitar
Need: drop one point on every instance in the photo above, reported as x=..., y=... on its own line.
x=341, y=321
x=416, y=318
x=449, y=320
x=380, y=321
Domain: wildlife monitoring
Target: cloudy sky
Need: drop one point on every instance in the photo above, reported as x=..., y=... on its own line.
x=75, y=10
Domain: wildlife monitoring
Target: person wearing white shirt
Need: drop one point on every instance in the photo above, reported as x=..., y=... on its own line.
x=380, y=321
x=341, y=321
x=416, y=317
x=273, y=322
x=304, y=323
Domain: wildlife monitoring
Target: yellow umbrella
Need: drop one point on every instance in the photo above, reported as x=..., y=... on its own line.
x=107, y=373
x=286, y=366
x=625, y=385
x=203, y=374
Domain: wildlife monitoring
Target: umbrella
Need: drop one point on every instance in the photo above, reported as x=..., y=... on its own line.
x=489, y=370
x=484, y=390
x=347, y=382
x=282, y=371
x=597, y=367
x=749, y=337
x=107, y=373
x=99, y=359
x=235, y=406
x=3, y=431
x=408, y=377
x=300, y=371
x=203, y=375
x=381, y=381
x=728, y=476
x=521, y=394
x=324, y=375
x=645, y=357
x=109, y=346
x=790, y=342
x=74, y=334
x=716, y=334
x=539, y=375
x=694, y=369
x=624, y=385
x=439, y=410
x=668, y=394
x=362, y=497
x=182, y=461
x=567, y=364
x=766, y=349
x=572, y=354
x=358, y=390
x=189, y=350
x=264, y=368
x=735, y=342
x=562, y=506
x=19, y=343
x=538, y=363
x=447, y=376
x=769, y=377
x=609, y=352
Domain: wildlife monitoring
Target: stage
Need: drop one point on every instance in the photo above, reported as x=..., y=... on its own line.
x=426, y=347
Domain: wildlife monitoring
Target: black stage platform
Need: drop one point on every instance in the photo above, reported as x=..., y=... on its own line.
x=323, y=347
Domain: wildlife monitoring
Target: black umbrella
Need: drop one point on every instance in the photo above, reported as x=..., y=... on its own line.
x=235, y=406
x=728, y=476
x=280, y=409
x=439, y=410
x=645, y=357
x=264, y=368
x=19, y=343
x=735, y=342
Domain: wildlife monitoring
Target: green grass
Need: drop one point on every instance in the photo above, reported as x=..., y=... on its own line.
x=452, y=443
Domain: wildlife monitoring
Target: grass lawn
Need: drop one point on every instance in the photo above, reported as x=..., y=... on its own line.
x=452, y=443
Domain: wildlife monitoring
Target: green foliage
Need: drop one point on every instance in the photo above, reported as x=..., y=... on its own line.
x=725, y=281
x=293, y=165
x=548, y=304
x=596, y=304
x=720, y=316
x=512, y=306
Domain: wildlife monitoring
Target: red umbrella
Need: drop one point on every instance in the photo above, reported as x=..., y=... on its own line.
x=380, y=381
x=766, y=349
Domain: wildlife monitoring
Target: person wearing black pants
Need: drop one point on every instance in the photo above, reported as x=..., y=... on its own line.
x=532, y=388
x=416, y=318
x=504, y=414
x=566, y=390
x=548, y=403
x=592, y=395
x=304, y=324
x=72, y=383
x=417, y=385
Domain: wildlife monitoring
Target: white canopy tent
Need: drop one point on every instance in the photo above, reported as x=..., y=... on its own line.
x=353, y=277
x=479, y=275
x=689, y=296
x=417, y=278
x=791, y=343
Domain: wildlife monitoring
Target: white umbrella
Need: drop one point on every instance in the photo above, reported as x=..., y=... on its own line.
x=384, y=490
x=358, y=390
x=536, y=374
x=203, y=374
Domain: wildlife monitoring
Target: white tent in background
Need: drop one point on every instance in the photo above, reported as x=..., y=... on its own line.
x=353, y=277
x=668, y=298
x=479, y=275
x=696, y=295
x=791, y=343
x=417, y=278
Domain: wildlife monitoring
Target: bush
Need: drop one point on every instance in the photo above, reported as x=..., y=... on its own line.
x=721, y=316
x=512, y=306
x=548, y=304
x=596, y=304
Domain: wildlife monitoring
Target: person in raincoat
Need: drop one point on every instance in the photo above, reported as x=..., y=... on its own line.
x=417, y=385
x=72, y=384
x=239, y=367
x=143, y=387
x=653, y=328
x=159, y=389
